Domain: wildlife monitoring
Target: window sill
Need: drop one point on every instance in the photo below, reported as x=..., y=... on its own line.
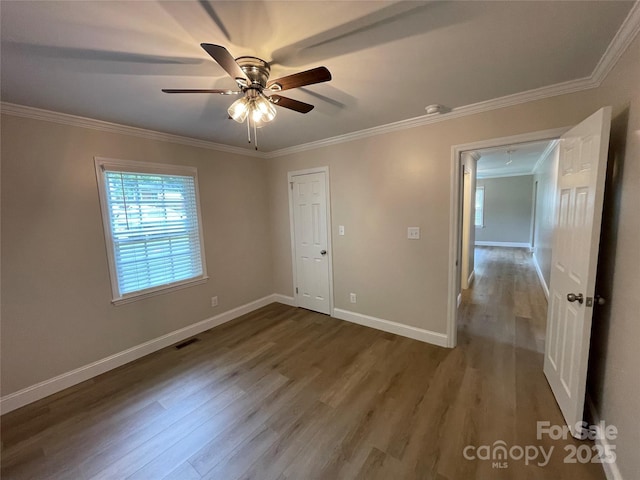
x=134, y=297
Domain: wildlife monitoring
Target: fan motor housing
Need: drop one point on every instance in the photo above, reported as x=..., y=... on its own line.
x=256, y=70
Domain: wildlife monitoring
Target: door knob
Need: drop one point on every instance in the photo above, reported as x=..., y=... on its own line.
x=323, y=252
x=572, y=297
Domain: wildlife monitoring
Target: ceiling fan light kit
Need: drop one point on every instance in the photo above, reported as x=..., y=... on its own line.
x=251, y=74
x=255, y=106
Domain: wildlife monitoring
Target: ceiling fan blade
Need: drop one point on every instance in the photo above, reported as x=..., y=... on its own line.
x=308, y=77
x=221, y=92
x=291, y=104
x=225, y=60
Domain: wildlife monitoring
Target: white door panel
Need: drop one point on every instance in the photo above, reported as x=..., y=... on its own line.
x=580, y=189
x=309, y=201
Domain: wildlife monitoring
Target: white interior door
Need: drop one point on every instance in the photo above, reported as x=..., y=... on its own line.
x=579, y=196
x=311, y=241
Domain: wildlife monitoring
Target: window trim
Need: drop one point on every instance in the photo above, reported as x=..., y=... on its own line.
x=102, y=164
x=479, y=187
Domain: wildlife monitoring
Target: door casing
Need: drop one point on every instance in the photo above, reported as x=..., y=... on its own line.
x=290, y=176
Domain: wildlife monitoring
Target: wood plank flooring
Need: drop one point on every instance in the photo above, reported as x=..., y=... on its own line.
x=284, y=393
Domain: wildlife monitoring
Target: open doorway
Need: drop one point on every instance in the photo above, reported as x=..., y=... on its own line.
x=494, y=206
x=578, y=161
x=499, y=229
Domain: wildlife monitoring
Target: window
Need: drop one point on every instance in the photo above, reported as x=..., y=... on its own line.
x=479, y=207
x=152, y=227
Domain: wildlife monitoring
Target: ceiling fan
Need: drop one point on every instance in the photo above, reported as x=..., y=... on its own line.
x=252, y=77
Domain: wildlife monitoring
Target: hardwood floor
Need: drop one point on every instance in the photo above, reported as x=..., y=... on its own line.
x=284, y=393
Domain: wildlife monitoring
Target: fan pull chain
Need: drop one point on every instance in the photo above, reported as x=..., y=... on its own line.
x=255, y=135
x=248, y=130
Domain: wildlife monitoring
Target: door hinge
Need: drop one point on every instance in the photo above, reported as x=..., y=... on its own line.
x=291, y=185
x=296, y=289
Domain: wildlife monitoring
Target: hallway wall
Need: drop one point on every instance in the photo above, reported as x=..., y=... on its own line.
x=507, y=209
x=546, y=175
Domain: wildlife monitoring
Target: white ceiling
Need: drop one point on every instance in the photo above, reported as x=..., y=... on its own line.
x=494, y=162
x=108, y=60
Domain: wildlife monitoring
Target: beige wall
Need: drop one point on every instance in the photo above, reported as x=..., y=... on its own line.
x=56, y=296
x=614, y=382
x=508, y=205
x=380, y=185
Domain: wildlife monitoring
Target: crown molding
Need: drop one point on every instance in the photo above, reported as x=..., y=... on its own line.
x=622, y=39
x=93, y=124
x=480, y=107
x=544, y=155
x=504, y=175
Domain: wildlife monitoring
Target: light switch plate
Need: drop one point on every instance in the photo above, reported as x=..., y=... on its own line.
x=340, y=229
x=413, y=233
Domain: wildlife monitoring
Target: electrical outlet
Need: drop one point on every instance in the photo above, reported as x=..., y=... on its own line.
x=352, y=297
x=340, y=229
x=214, y=301
x=413, y=233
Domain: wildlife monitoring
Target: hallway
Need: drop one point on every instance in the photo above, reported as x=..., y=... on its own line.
x=501, y=329
x=505, y=292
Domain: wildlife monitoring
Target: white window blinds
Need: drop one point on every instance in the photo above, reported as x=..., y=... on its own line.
x=153, y=222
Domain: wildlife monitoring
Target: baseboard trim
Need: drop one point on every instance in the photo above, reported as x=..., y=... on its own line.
x=503, y=244
x=471, y=278
x=545, y=287
x=435, y=338
x=53, y=385
x=285, y=299
x=459, y=300
x=611, y=470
